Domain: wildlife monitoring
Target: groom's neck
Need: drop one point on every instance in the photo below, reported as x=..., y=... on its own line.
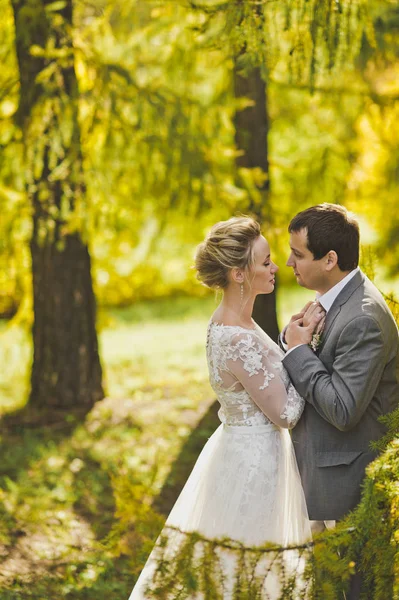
x=332, y=281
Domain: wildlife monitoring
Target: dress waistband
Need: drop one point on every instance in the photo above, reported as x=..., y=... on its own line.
x=250, y=429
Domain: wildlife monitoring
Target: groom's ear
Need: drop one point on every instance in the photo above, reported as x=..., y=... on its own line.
x=331, y=260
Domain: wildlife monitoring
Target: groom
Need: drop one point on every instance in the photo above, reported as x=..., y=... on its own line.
x=352, y=378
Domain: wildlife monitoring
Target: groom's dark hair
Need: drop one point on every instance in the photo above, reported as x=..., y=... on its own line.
x=330, y=227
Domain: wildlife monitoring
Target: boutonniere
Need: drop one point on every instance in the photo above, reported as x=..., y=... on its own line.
x=316, y=337
x=315, y=341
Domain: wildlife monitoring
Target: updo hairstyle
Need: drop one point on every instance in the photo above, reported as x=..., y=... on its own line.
x=229, y=244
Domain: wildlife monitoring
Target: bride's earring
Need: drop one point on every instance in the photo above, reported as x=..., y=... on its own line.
x=241, y=294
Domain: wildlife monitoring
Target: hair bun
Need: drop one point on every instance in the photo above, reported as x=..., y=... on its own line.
x=227, y=245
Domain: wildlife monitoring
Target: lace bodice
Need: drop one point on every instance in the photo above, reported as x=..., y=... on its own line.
x=247, y=374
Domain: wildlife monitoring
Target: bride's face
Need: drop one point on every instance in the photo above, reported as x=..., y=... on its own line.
x=261, y=275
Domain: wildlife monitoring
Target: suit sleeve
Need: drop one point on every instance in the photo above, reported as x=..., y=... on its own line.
x=343, y=396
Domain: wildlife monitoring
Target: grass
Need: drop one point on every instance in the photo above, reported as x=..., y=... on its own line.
x=82, y=502
x=75, y=500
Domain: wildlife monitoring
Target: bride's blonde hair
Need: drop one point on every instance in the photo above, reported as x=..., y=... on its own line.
x=229, y=244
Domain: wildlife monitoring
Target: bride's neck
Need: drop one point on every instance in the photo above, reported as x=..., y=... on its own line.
x=234, y=311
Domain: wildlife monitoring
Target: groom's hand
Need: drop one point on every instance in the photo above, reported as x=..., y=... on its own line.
x=300, y=331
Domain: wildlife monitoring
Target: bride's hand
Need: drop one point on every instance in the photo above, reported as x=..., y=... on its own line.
x=311, y=308
x=298, y=333
x=301, y=312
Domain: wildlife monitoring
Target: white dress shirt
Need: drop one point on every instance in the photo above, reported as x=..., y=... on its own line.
x=326, y=300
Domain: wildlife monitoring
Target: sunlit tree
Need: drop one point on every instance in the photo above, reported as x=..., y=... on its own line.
x=66, y=369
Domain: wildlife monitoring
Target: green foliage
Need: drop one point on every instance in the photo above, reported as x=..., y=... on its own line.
x=155, y=104
x=15, y=353
x=15, y=227
x=189, y=563
x=313, y=38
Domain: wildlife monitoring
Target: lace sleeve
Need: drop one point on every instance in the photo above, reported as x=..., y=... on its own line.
x=294, y=406
x=248, y=361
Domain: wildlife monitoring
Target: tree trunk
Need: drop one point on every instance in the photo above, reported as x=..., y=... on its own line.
x=251, y=131
x=66, y=371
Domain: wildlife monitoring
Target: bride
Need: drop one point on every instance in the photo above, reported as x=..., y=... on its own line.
x=245, y=484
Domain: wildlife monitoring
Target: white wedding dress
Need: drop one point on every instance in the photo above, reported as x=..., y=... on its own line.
x=245, y=484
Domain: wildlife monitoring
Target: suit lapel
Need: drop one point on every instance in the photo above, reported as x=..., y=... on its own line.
x=339, y=301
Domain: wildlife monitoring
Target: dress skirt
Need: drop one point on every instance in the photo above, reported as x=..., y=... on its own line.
x=244, y=486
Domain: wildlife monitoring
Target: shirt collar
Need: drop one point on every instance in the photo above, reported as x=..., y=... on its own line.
x=327, y=299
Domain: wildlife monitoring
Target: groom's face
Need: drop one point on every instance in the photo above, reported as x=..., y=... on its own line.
x=309, y=273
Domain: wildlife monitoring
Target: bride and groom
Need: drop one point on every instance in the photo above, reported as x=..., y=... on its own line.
x=333, y=374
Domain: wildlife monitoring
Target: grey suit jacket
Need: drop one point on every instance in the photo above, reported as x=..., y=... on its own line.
x=351, y=381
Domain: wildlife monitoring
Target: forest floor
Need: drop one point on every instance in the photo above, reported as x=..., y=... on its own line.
x=82, y=500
